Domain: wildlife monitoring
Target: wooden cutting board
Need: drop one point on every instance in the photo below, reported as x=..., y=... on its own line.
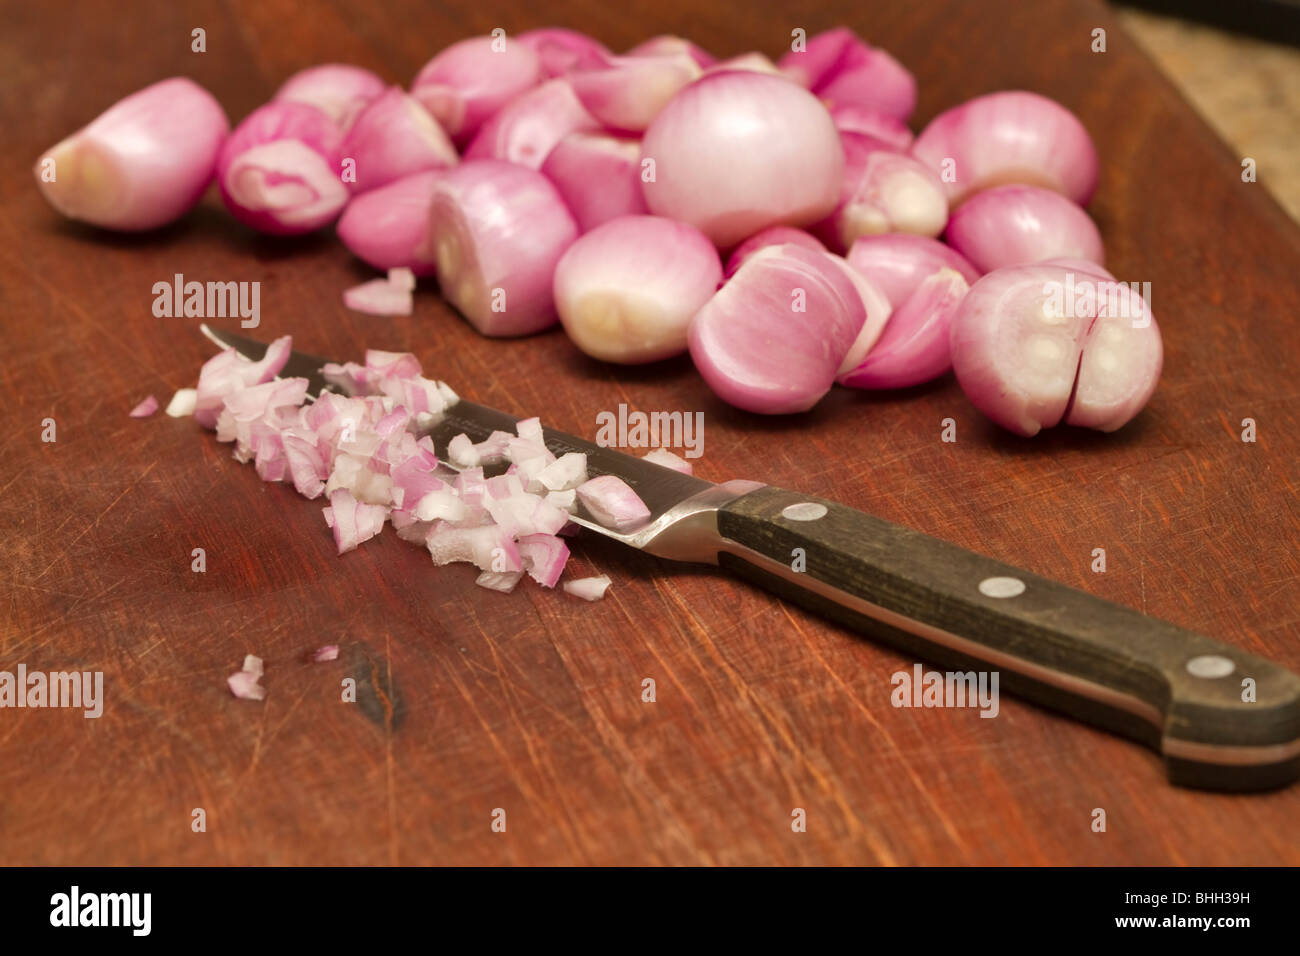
x=471, y=701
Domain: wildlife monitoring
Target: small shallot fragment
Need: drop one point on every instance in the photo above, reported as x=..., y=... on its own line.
x=612, y=503
x=280, y=171
x=599, y=176
x=589, y=589
x=897, y=263
x=914, y=346
x=772, y=236
x=330, y=652
x=544, y=557
x=1009, y=137
x=503, y=581
x=773, y=338
x=183, y=403
x=500, y=228
x=626, y=291
x=529, y=127
x=562, y=50
x=389, y=226
x=703, y=147
x=840, y=68
x=465, y=84
x=352, y=522
x=339, y=90
x=668, y=45
x=245, y=682
x=627, y=92
x=1036, y=345
x=145, y=408
x=1017, y=225
x=883, y=191
x=379, y=297
x=753, y=62
x=394, y=137
x=662, y=456
x=142, y=163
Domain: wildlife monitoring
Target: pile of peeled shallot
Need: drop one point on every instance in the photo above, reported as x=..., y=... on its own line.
x=779, y=221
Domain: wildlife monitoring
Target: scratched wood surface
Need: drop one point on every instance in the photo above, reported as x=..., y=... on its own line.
x=471, y=701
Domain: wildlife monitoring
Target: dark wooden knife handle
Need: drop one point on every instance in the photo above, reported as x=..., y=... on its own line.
x=1181, y=693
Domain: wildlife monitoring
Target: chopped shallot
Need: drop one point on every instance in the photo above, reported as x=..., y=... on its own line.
x=612, y=503
x=330, y=652
x=662, y=456
x=183, y=402
x=589, y=589
x=145, y=408
x=244, y=683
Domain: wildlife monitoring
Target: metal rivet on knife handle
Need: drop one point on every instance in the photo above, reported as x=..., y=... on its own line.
x=804, y=511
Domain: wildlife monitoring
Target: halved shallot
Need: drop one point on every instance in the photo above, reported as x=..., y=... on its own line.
x=499, y=230
x=626, y=291
x=773, y=338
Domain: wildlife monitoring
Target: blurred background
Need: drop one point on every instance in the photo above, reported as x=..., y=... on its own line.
x=1238, y=63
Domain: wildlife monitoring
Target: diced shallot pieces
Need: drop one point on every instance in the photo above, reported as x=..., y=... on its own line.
x=613, y=504
x=330, y=652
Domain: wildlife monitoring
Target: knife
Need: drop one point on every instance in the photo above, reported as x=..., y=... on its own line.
x=1222, y=718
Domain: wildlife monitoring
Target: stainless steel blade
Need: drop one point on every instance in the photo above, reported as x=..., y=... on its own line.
x=677, y=502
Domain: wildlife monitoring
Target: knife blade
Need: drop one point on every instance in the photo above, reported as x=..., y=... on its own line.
x=1179, y=692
